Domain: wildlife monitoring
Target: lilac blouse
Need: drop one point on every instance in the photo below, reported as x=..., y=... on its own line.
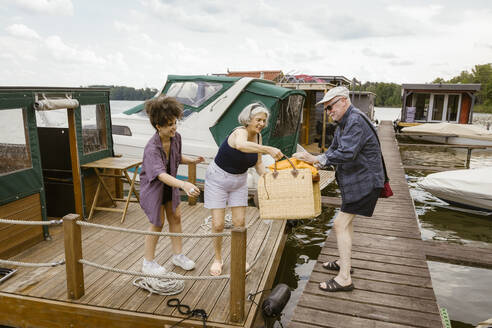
x=154, y=163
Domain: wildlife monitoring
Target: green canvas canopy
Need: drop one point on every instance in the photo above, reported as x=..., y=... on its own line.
x=31, y=154
x=223, y=81
x=285, y=106
x=196, y=92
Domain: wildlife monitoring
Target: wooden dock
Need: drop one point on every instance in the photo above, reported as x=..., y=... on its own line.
x=37, y=297
x=393, y=287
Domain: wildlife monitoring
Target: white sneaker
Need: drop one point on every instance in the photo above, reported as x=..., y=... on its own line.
x=182, y=261
x=151, y=267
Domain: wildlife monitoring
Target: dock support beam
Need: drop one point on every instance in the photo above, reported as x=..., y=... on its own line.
x=73, y=253
x=468, y=158
x=192, y=179
x=238, y=274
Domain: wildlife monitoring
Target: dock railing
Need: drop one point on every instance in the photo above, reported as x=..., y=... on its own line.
x=75, y=271
x=74, y=260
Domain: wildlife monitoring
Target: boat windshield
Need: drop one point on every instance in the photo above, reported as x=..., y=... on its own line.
x=193, y=93
x=186, y=113
x=288, y=117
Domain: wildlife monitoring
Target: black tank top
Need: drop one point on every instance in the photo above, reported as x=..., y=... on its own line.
x=234, y=161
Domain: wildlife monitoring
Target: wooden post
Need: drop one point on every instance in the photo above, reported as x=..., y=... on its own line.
x=468, y=158
x=323, y=132
x=74, y=155
x=73, y=253
x=238, y=273
x=192, y=179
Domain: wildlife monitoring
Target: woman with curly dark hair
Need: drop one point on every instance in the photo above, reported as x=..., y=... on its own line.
x=159, y=188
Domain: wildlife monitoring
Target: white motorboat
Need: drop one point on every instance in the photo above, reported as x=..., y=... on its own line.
x=470, y=188
x=450, y=133
x=211, y=106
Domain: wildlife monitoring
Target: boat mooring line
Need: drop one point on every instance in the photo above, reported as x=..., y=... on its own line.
x=170, y=275
x=155, y=233
x=51, y=222
x=33, y=265
x=164, y=234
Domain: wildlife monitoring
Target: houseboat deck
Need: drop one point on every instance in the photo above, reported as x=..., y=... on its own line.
x=37, y=297
x=393, y=287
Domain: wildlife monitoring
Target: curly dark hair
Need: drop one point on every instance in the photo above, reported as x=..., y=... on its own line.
x=163, y=110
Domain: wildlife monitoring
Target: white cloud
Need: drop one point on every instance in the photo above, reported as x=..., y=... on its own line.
x=188, y=17
x=416, y=13
x=136, y=43
x=62, y=51
x=372, y=53
x=124, y=27
x=402, y=62
x=51, y=7
x=22, y=31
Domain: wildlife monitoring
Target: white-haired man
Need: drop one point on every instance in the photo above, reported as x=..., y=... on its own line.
x=356, y=154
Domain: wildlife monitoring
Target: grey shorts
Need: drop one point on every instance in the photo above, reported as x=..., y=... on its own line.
x=224, y=189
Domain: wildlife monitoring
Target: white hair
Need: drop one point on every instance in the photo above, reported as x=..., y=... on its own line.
x=251, y=110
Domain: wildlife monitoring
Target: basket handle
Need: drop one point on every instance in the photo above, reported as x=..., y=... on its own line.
x=294, y=170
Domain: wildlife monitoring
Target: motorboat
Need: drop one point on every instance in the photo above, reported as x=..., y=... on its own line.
x=211, y=107
x=470, y=188
x=450, y=133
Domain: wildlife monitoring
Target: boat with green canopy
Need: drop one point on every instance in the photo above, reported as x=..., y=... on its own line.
x=211, y=107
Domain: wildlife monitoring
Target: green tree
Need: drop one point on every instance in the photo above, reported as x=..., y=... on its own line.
x=479, y=74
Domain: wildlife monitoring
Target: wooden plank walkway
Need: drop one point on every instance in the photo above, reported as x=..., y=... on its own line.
x=393, y=287
x=111, y=300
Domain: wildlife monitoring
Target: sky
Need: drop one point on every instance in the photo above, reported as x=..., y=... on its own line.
x=137, y=43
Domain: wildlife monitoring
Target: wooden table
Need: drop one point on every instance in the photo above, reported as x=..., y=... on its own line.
x=120, y=166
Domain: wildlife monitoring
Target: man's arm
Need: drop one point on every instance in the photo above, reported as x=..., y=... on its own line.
x=349, y=145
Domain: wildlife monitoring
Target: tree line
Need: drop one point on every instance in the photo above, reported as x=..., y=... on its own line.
x=389, y=94
x=479, y=74
x=128, y=93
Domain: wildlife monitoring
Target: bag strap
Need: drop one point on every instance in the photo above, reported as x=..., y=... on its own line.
x=386, y=178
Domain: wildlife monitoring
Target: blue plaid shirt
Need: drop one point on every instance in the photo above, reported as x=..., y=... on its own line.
x=356, y=154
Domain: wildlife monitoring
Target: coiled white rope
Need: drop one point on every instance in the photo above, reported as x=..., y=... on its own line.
x=51, y=222
x=33, y=265
x=160, y=286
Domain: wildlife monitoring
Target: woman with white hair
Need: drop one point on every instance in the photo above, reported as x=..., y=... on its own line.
x=226, y=178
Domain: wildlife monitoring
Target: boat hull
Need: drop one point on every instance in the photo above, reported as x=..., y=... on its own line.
x=451, y=140
x=466, y=188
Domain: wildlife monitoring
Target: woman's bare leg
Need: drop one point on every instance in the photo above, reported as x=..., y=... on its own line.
x=174, y=219
x=151, y=241
x=217, y=226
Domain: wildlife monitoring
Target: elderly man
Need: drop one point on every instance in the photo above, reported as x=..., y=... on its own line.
x=356, y=154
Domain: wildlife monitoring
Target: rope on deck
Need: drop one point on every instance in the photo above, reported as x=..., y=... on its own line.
x=170, y=275
x=32, y=265
x=164, y=287
x=51, y=222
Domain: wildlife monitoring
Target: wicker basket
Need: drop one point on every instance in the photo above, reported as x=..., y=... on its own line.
x=288, y=195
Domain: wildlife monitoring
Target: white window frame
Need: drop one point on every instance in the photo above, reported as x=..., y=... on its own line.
x=430, y=113
x=446, y=107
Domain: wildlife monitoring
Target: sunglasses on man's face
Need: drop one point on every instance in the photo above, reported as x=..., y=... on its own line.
x=330, y=107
